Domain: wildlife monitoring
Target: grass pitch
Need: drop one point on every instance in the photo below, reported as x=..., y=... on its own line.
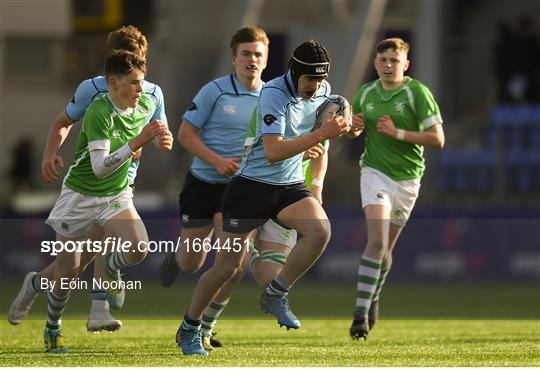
x=262, y=343
x=421, y=325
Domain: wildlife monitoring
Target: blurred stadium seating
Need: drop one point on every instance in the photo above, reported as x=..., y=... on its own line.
x=510, y=155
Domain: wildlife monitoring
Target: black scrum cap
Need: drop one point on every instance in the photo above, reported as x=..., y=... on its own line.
x=311, y=59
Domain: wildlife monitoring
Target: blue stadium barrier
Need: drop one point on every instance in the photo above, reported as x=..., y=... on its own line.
x=513, y=138
x=466, y=170
x=515, y=114
x=523, y=168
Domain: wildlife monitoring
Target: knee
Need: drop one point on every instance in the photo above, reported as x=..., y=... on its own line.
x=320, y=234
x=140, y=243
x=137, y=253
x=190, y=268
x=138, y=257
x=137, y=237
x=190, y=262
x=377, y=241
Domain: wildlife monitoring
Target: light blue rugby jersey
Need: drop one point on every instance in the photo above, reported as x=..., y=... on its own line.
x=222, y=112
x=281, y=111
x=92, y=88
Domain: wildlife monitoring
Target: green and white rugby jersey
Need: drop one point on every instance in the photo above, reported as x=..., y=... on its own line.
x=412, y=108
x=103, y=122
x=250, y=139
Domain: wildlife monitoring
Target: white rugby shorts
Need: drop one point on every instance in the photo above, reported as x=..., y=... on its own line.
x=377, y=188
x=74, y=214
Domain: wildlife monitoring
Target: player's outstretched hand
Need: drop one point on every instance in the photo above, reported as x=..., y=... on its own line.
x=228, y=166
x=314, y=152
x=166, y=140
x=335, y=126
x=386, y=126
x=49, y=173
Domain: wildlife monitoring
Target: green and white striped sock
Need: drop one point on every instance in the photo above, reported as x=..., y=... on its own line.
x=116, y=261
x=55, y=308
x=380, y=283
x=368, y=276
x=210, y=316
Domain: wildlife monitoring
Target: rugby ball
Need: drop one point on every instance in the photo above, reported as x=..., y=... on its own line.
x=333, y=104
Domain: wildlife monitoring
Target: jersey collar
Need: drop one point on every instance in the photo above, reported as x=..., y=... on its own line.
x=390, y=93
x=239, y=89
x=124, y=112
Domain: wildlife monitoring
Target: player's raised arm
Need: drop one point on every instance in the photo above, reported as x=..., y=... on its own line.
x=277, y=149
x=105, y=163
x=432, y=137
x=57, y=134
